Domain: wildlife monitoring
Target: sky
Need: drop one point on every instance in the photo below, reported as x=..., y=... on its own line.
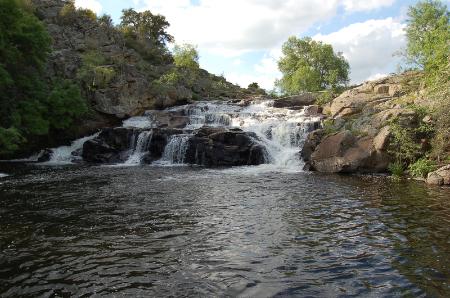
x=242, y=39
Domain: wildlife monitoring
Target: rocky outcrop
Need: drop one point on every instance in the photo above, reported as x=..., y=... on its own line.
x=211, y=147
x=126, y=82
x=357, y=133
x=218, y=147
x=439, y=177
x=296, y=102
x=345, y=153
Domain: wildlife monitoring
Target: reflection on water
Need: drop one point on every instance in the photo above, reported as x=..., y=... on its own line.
x=148, y=231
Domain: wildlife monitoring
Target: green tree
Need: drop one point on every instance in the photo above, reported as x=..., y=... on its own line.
x=428, y=34
x=27, y=110
x=147, y=34
x=186, y=56
x=309, y=65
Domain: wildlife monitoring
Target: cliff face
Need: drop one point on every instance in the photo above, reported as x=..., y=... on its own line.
x=122, y=82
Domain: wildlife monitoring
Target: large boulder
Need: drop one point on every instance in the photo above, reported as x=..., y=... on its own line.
x=208, y=146
x=296, y=101
x=345, y=153
x=218, y=147
x=439, y=177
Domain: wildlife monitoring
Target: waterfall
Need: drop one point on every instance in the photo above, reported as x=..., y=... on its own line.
x=175, y=150
x=282, y=132
x=68, y=154
x=140, y=147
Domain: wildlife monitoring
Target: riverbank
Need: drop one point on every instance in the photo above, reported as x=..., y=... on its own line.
x=374, y=126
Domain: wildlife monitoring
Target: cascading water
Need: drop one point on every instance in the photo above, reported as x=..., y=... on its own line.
x=68, y=154
x=175, y=150
x=281, y=132
x=140, y=147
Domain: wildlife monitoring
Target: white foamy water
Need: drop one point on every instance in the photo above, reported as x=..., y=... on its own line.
x=282, y=132
x=68, y=154
x=140, y=148
x=3, y=175
x=138, y=122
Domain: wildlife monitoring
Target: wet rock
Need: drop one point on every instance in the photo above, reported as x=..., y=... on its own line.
x=440, y=176
x=218, y=147
x=45, y=155
x=311, y=142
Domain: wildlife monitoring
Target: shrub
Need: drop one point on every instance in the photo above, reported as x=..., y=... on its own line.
x=422, y=167
x=396, y=169
x=324, y=98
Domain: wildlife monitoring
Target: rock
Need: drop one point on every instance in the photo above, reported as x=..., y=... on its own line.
x=435, y=179
x=45, y=155
x=297, y=101
x=440, y=176
x=218, y=147
x=311, y=143
x=312, y=110
x=381, y=141
x=208, y=146
x=344, y=153
x=381, y=89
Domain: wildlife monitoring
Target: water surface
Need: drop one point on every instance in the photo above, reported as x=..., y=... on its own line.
x=187, y=231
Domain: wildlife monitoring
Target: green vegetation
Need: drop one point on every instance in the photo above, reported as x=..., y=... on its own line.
x=32, y=106
x=396, y=169
x=428, y=33
x=147, y=34
x=421, y=168
x=96, y=71
x=309, y=65
x=186, y=56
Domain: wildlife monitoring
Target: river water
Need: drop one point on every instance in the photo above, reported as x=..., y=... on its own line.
x=151, y=231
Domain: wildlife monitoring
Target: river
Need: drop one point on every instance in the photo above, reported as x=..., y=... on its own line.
x=189, y=231
x=172, y=230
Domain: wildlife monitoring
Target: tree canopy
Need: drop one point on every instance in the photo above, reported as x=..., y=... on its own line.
x=30, y=106
x=309, y=65
x=428, y=34
x=186, y=55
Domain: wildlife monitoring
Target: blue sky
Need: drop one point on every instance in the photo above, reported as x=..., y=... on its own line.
x=242, y=39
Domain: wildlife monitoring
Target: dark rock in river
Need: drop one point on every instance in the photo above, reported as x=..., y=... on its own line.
x=208, y=146
x=215, y=147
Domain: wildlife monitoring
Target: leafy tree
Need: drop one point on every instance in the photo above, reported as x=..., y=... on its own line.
x=186, y=56
x=309, y=65
x=253, y=85
x=428, y=34
x=147, y=34
x=27, y=110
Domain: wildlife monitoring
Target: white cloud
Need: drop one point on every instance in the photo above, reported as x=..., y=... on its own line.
x=93, y=5
x=369, y=46
x=365, y=5
x=233, y=27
